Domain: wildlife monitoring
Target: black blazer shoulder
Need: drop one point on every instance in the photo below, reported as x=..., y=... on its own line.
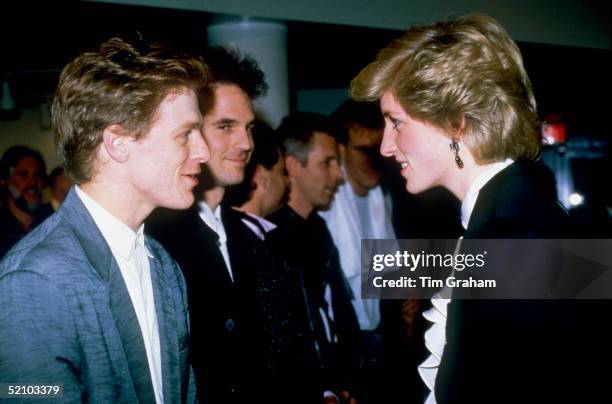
x=519, y=202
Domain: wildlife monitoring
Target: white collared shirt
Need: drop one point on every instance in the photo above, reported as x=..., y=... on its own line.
x=129, y=250
x=265, y=224
x=213, y=220
x=435, y=336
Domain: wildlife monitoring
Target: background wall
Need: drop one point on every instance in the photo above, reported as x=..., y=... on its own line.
x=562, y=22
x=27, y=131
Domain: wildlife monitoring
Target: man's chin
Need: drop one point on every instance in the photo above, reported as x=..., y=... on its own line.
x=29, y=206
x=182, y=204
x=325, y=206
x=236, y=179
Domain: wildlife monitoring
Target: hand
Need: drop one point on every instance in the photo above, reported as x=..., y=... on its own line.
x=410, y=309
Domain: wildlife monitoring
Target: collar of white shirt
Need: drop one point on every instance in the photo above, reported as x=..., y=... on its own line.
x=472, y=194
x=266, y=225
x=213, y=220
x=120, y=238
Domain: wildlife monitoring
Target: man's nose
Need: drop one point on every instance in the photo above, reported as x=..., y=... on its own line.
x=199, y=149
x=244, y=141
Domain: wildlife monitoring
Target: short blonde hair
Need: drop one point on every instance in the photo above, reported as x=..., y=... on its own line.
x=466, y=70
x=118, y=83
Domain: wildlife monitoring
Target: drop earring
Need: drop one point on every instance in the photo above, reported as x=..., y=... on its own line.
x=454, y=146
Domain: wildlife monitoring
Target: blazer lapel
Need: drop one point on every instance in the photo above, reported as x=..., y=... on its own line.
x=101, y=259
x=168, y=338
x=484, y=208
x=208, y=252
x=131, y=336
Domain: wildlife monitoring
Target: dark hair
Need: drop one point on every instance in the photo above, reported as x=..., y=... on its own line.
x=56, y=172
x=366, y=114
x=297, y=130
x=13, y=155
x=118, y=83
x=229, y=66
x=266, y=152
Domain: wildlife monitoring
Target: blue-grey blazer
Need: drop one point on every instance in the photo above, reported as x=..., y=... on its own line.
x=66, y=316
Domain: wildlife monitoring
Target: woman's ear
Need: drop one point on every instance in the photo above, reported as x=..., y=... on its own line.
x=461, y=130
x=114, y=139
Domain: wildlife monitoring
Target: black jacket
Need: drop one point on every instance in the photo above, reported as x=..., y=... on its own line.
x=309, y=250
x=249, y=336
x=515, y=351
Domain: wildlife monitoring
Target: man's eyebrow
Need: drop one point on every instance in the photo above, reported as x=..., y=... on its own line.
x=225, y=121
x=188, y=125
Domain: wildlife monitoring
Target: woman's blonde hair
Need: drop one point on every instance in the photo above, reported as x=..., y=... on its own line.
x=463, y=75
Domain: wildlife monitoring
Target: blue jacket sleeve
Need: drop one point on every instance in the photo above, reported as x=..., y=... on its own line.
x=38, y=339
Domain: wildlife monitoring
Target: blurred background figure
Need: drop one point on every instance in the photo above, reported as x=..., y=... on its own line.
x=288, y=342
x=59, y=185
x=265, y=187
x=361, y=210
x=22, y=173
x=312, y=159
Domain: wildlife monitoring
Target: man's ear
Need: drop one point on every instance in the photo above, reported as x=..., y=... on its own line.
x=261, y=177
x=292, y=165
x=114, y=139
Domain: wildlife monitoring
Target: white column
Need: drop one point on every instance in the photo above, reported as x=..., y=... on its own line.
x=266, y=42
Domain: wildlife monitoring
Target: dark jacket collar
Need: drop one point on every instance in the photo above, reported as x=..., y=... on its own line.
x=522, y=197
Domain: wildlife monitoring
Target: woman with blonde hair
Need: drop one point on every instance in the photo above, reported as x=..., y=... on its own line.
x=460, y=113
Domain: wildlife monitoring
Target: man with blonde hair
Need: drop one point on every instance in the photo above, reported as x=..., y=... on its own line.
x=88, y=302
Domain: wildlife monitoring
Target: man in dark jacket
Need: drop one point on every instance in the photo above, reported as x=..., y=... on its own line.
x=312, y=161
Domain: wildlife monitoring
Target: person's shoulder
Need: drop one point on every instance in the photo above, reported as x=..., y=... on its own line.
x=530, y=191
x=524, y=204
x=51, y=250
x=286, y=217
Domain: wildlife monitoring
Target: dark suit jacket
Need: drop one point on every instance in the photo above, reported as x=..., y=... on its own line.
x=308, y=248
x=67, y=316
x=511, y=351
x=245, y=335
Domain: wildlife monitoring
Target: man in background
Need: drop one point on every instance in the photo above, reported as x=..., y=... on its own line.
x=22, y=172
x=312, y=161
x=289, y=346
x=224, y=262
x=361, y=210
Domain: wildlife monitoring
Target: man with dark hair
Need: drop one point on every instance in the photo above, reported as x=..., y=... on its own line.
x=361, y=210
x=226, y=265
x=312, y=161
x=265, y=186
x=87, y=301
x=22, y=171
x=289, y=347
